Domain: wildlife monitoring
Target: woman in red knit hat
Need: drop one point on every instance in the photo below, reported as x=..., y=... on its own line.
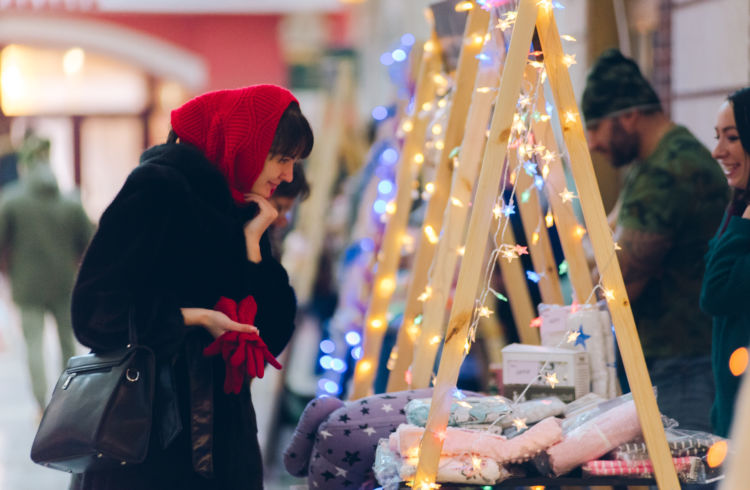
x=183, y=247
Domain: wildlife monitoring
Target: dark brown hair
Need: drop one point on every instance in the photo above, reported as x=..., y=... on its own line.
x=294, y=137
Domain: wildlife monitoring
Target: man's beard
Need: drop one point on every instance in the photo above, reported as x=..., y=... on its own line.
x=624, y=147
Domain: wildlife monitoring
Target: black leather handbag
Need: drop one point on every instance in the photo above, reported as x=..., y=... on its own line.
x=100, y=413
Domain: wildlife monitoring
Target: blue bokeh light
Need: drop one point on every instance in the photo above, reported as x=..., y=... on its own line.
x=379, y=113
x=353, y=338
x=325, y=362
x=389, y=155
x=331, y=386
x=386, y=59
x=385, y=187
x=379, y=206
x=327, y=346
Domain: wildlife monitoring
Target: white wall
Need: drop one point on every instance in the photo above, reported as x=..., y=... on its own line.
x=710, y=47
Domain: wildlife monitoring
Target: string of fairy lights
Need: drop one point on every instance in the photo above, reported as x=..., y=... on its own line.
x=535, y=160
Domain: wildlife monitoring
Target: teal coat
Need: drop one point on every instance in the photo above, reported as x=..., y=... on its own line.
x=42, y=238
x=725, y=294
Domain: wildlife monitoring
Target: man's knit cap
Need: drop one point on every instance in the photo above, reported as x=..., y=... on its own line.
x=616, y=85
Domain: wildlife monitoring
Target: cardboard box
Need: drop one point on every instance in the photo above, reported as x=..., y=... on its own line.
x=522, y=364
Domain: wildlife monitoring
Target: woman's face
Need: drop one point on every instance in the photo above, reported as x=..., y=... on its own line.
x=277, y=168
x=734, y=160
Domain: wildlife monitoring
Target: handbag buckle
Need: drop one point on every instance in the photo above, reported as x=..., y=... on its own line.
x=132, y=375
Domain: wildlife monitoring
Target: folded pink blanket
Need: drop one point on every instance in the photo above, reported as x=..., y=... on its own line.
x=595, y=438
x=405, y=441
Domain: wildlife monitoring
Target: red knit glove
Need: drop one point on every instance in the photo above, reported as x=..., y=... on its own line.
x=243, y=353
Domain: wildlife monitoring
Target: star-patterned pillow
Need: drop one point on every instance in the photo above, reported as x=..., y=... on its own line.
x=345, y=441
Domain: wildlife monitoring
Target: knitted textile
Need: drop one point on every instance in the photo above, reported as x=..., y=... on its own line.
x=234, y=129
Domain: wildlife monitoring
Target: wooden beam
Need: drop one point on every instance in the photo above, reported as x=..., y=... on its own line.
x=537, y=238
x=477, y=24
x=322, y=171
x=604, y=252
x=471, y=265
x=564, y=217
x=375, y=323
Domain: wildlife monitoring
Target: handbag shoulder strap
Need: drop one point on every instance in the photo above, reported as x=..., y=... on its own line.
x=132, y=333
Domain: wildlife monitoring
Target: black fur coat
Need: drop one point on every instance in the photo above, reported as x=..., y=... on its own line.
x=172, y=238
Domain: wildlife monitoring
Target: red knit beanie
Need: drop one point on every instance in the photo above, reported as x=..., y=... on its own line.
x=227, y=123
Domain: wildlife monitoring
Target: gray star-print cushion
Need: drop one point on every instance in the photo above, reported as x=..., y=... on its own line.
x=346, y=433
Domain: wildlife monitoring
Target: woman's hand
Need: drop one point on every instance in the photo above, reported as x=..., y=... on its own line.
x=255, y=228
x=746, y=214
x=216, y=322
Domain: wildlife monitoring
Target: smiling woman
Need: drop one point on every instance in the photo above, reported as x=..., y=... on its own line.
x=727, y=278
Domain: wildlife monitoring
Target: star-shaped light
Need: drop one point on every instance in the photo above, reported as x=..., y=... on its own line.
x=521, y=250
x=568, y=60
x=551, y=378
x=535, y=238
x=503, y=25
x=609, y=294
x=567, y=195
x=548, y=157
x=536, y=322
x=485, y=312
x=476, y=462
x=545, y=4
x=509, y=209
x=582, y=337
x=539, y=181
x=533, y=276
x=570, y=117
x=497, y=211
x=426, y=294
x=617, y=246
x=509, y=254
x=562, y=269
x=464, y=404
x=519, y=424
x=572, y=336
x=525, y=195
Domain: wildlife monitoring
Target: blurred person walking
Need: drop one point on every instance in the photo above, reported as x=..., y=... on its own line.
x=184, y=249
x=43, y=235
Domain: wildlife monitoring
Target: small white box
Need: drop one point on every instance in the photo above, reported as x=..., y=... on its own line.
x=523, y=364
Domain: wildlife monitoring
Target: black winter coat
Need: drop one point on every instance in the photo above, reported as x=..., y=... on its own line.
x=173, y=238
